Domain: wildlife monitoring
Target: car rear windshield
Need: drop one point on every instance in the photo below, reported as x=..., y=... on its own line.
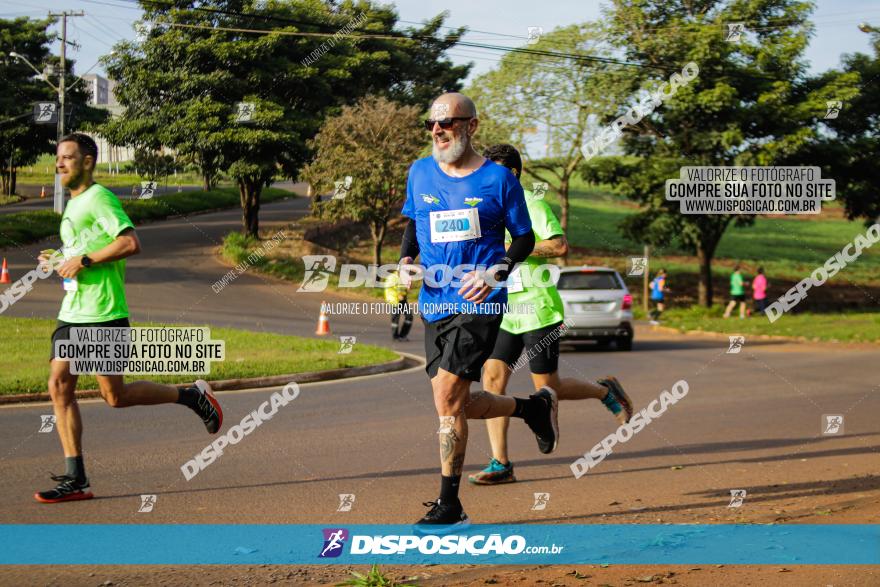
x=590, y=280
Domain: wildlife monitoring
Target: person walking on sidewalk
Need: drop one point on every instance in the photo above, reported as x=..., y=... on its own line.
x=737, y=293
x=658, y=296
x=759, y=291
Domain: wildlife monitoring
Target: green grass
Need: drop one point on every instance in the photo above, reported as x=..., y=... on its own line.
x=43, y=173
x=248, y=354
x=374, y=578
x=236, y=248
x=788, y=248
x=9, y=199
x=26, y=227
x=837, y=327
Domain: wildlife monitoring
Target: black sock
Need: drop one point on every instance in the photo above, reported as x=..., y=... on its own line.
x=188, y=396
x=449, y=488
x=75, y=468
x=525, y=408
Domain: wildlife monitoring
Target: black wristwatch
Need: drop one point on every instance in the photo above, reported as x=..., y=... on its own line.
x=86, y=262
x=502, y=274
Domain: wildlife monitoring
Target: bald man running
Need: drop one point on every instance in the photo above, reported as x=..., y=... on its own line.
x=459, y=205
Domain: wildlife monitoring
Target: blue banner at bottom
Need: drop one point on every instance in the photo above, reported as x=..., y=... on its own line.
x=636, y=544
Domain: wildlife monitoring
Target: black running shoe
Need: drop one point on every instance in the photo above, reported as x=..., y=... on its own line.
x=442, y=518
x=208, y=408
x=545, y=423
x=68, y=489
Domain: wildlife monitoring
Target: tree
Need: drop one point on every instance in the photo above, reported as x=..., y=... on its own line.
x=21, y=140
x=559, y=94
x=152, y=165
x=746, y=106
x=849, y=146
x=363, y=155
x=295, y=63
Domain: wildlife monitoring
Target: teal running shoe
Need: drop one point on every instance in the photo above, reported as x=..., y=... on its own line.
x=494, y=474
x=617, y=402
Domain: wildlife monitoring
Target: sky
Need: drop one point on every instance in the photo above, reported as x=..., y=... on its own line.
x=499, y=22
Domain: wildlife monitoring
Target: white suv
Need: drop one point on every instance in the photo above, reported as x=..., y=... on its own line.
x=598, y=306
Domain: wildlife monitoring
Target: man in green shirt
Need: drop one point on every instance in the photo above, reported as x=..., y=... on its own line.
x=97, y=237
x=534, y=332
x=737, y=294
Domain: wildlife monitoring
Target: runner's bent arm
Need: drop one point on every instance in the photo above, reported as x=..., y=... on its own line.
x=124, y=245
x=555, y=246
x=520, y=248
x=409, y=246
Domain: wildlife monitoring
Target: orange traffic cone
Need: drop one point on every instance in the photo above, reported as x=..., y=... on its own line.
x=4, y=273
x=43, y=191
x=323, y=322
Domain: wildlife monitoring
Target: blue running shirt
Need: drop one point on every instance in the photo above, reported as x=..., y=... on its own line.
x=446, y=210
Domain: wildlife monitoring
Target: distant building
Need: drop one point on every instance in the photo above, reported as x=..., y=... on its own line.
x=101, y=90
x=102, y=96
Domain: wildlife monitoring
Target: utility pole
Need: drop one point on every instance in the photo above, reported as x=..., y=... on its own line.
x=645, y=280
x=59, y=190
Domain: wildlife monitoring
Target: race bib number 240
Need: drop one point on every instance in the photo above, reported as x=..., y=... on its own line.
x=455, y=225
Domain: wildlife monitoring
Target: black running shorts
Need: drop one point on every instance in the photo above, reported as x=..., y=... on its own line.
x=539, y=344
x=460, y=343
x=62, y=330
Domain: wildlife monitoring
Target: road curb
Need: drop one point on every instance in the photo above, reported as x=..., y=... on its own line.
x=404, y=361
x=722, y=335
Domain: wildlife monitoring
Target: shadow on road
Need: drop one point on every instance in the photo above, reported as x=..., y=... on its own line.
x=719, y=498
x=712, y=447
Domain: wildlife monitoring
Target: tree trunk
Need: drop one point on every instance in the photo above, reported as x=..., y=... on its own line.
x=563, y=215
x=5, y=183
x=206, y=182
x=563, y=202
x=14, y=182
x=249, y=194
x=378, y=232
x=704, y=258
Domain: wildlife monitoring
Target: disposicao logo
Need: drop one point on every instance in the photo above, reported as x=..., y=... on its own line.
x=429, y=199
x=334, y=540
x=472, y=201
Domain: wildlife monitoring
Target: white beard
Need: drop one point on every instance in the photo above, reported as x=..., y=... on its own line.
x=455, y=151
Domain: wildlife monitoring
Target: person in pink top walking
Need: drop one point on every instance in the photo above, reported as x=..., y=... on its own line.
x=759, y=291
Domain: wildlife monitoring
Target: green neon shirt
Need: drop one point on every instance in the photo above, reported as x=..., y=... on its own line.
x=736, y=285
x=546, y=301
x=91, y=221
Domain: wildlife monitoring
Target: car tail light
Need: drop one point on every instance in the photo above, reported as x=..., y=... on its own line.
x=627, y=302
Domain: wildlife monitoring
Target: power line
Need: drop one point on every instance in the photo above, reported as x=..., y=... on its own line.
x=102, y=41
x=391, y=36
x=574, y=57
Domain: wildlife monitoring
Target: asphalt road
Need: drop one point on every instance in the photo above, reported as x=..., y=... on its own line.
x=750, y=421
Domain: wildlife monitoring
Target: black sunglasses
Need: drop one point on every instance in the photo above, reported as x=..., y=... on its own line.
x=445, y=123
